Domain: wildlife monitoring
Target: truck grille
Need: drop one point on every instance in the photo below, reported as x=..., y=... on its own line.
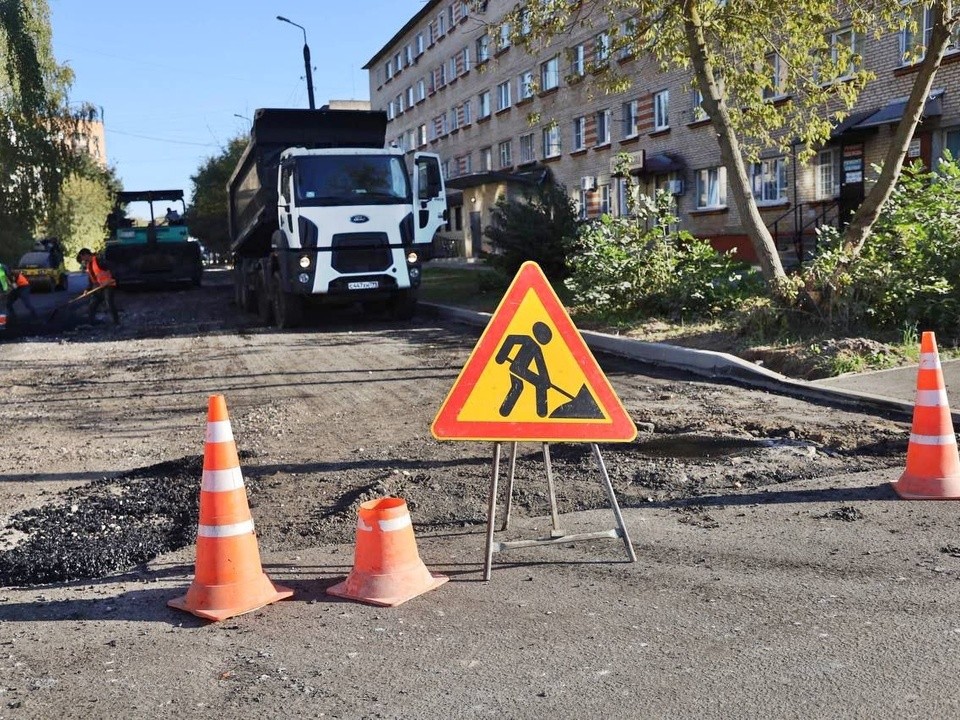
x=361, y=252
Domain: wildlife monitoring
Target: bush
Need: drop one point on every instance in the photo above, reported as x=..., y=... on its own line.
x=537, y=226
x=909, y=270
x=627, y=266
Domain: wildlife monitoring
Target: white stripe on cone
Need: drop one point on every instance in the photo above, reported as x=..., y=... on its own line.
x=933, y=439
x=393, y=524
x=219, y=431
x=932, y=398
x=222, y=480
x=929, y=361
x=222, y=531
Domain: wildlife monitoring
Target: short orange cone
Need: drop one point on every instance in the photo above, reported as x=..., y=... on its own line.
x=933, y=463
x=229, y=579
x=387, y=569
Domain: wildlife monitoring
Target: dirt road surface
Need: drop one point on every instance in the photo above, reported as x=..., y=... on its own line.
x=778, y=575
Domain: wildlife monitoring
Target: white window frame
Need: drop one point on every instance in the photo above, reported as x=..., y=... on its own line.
x=551, y=141
x=712, y=188
x=421, y=90
x=631, y=118
x=603, y=127
x=505, y=151
x=550, y=74
x=580, y=133
x=768, y=181
x=578, y=61
x=661, y=110
x=408, y=54
x=503, y=41
x=422, y=135
x=528, y=150
x=777, y=69
x=486, y=158
x=483, y=104
x=827, y=178
x=525, y=88
x=467, y=112
x=503, y=95
x=582, y=205
x=483, y=48
x=418, y=44
x=855, y=44
x=697, y=112
x=604, y=191
x=410, y=100
x=601, y=49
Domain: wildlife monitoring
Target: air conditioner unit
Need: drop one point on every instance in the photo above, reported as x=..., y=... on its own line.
x=675, y=187
x=588, y=183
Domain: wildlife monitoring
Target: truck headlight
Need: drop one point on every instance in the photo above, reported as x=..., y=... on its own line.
x=304, y=278
x=414, y=274
x=412, y=257
x=304, y=261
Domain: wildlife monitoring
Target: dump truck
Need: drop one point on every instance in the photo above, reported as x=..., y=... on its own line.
x=154, y=249
x=320, y=213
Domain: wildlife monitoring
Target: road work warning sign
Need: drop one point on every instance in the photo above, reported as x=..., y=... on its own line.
x=532, y=377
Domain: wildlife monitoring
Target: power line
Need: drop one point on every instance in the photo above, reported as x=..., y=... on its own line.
x=164, y=140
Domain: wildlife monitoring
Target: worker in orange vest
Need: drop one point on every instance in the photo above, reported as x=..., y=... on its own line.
x=20, y=291
x=100, y=277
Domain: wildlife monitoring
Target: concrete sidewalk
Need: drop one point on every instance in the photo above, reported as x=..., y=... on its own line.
x=884, y=391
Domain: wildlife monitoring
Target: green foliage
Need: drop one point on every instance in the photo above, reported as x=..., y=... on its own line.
x=908, y=274
x=79, y=215
x=536, y=226
x=207, y=214
x=631, y=266
x=36, y=128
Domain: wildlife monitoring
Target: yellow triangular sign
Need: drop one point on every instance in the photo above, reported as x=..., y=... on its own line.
x=532, y=377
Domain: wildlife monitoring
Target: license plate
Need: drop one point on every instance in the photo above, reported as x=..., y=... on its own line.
x=363, y=285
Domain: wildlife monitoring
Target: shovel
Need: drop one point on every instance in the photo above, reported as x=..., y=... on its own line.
x=85, y=294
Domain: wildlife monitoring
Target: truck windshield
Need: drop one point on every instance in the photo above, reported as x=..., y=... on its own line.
x=351, y=180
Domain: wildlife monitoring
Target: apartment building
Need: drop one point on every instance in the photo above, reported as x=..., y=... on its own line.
x=500, y=117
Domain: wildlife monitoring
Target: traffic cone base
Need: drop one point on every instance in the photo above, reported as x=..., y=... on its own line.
x=933, y=463
x=387, y=569
x=229, y=579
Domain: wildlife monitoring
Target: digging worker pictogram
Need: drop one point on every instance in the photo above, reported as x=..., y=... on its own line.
x=526, y=366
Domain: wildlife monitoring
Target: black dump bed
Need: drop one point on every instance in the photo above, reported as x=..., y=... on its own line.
x=252, y=189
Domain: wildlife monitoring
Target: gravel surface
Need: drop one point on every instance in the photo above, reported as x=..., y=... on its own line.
x=761, y=523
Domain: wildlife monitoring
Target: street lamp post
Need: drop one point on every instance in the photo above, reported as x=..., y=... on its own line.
x=306, y=58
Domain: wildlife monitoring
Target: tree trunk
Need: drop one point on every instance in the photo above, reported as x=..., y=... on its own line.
x=857, y=232
x=730, y=155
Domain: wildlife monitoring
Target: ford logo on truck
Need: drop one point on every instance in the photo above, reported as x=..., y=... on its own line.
x=359, y=219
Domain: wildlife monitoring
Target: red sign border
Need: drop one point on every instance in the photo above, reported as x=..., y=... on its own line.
x=446, y=426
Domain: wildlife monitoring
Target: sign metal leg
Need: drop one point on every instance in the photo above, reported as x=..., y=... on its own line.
x=614, y=504
x=551, y=488
x=511, y=470
x=492, y=511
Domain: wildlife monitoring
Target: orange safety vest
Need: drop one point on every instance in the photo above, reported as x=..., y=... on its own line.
x=98, y=274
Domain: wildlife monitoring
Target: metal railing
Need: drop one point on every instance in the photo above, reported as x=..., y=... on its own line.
x=802, y=235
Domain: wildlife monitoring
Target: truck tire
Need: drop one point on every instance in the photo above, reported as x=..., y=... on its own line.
x=264, y=303
x=287, y=307
x=404, y=305
x=246, y=300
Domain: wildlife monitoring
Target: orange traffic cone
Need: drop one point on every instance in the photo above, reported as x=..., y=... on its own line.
x=933, y=463
x=387, y=569
x=229, y=579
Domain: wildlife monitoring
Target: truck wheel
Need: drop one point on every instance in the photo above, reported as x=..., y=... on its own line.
x=264, y=304
x=287, y=307
x=404, y=305
x=245, y=299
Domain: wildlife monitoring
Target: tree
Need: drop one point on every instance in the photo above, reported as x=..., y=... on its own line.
x=538, y=226
x=207, y=214
x=79, y=216
x=37, y=131
x=726, y=46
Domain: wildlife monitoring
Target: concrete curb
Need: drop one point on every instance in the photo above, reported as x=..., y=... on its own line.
x=707, y=364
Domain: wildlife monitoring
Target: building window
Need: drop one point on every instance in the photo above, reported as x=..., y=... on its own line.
x=698, y=112
x=601, y=49
x=630, y=122
x=661, y=110
x=777, y=74
x=398, y=101
x=486, y=158
x=503, y=96
x=408, y=55
x=421, y=135
x=454, y=119
x=913, y=41
x=626, y=194
x=712, y=188
x=579, y=133
x=483, y=104
x=390, y=110
x=628, y=30
x=551, y=141
x=421, y=90
x=483, y=48
x=846, y=45
x=577, y=61
x=410, y=97
x=582, y=205
x=604, y=199
x=550, y=73
x=452, y=68
x=411, y=142
x=503, y=40
x=768, y=178
x=389, y=69
x=397, y=62
x=465, y=60
x=525, y=86
x=441, y=25
x=827, y=186
x=418, y=43
x=603, y=127
x=526, y=149
x=467, y=112
x=506, y=154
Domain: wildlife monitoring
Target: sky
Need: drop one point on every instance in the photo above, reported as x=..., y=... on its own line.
x=172, y=77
